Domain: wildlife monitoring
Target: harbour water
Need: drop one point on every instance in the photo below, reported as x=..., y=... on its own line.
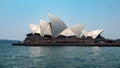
x=58, y=57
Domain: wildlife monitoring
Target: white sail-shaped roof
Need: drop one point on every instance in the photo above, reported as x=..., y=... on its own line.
x=57, y=24
x=85, y=33
x=48, y=30
x=93, y=34
x=35, y=28
x=44, y=24
x=77, y=29
x=67, y=32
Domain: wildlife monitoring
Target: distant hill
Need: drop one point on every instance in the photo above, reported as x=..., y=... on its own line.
x=8, y=41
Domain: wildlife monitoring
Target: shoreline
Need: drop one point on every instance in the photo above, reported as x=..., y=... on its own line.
x=100, y=45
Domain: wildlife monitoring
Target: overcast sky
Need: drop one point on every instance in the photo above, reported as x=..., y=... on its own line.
x=16, y=15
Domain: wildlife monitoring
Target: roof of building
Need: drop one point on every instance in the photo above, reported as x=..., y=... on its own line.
x=57, y=27
x=77, y=29
x=35, y=28
x=93, y=33
x=57, y=24
x=67, y=32
x=44, y=24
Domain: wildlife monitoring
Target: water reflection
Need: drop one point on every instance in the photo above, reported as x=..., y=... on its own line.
x=59, y=57
x=47, y=56
x=96, y=50
x=35, y=51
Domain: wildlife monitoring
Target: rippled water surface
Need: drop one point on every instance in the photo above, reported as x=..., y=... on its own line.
x=58, y=57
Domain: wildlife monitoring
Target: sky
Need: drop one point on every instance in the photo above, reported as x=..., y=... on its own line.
x=16, y=15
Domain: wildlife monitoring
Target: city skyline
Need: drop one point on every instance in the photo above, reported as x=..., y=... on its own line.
x=16, y=16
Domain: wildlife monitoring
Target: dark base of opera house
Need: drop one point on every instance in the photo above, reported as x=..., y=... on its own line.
x=47, y=40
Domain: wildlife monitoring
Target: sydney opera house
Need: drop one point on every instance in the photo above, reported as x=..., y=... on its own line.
x=55, y=32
